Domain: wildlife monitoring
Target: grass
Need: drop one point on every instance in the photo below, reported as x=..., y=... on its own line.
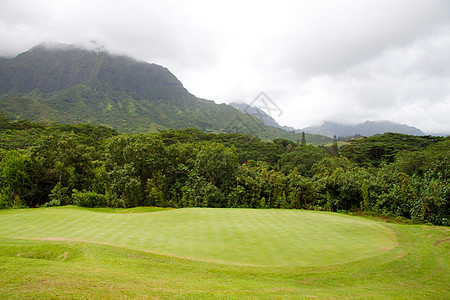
x=230, y=236
x=218, y=253
x=140, y=209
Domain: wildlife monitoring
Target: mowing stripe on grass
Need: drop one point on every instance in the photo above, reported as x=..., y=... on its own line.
x=229, y=236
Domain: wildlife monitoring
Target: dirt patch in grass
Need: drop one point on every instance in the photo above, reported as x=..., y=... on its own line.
x=437, y=243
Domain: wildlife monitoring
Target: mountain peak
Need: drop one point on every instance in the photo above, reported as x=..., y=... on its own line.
x=51, y=67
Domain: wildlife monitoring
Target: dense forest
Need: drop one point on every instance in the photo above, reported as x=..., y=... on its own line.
x=391, y=174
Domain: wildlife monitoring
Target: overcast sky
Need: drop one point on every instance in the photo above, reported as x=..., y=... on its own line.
x=339, y=60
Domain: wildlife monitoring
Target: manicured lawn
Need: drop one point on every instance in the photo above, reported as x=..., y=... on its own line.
x=70, y=252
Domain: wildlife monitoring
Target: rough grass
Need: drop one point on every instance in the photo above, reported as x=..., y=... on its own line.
x=220, y=253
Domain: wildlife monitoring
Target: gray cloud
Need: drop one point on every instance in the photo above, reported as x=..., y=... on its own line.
x=321, y=60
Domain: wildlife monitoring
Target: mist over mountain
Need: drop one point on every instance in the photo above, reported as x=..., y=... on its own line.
x=67, y=84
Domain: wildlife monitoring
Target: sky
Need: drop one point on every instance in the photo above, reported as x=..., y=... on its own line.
x=345, y=61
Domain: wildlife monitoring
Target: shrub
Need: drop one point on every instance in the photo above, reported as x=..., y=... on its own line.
x=89, y=199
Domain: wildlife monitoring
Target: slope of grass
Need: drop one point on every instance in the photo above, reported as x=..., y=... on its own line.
x=72, y=253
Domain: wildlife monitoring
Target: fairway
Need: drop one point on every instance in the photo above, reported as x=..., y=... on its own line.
x=227, y=236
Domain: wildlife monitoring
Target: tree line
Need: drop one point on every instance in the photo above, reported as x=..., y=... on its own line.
x=94, y=166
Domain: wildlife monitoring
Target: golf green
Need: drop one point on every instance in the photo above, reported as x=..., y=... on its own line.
x=229, y=236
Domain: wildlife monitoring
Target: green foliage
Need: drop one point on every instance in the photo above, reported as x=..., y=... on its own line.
x=432, y=199
x=333, y=149
x=255, y=181
x=420, y=198
x=131, y=160
x=435, y=157
x=22, y=134
x=365, y=196
x=383, y=148
x=93, y=167
x=342, y=188
x=89, y=199
x=301, y=191
x=14, y=179
x=59, y=164
x=59, y=196
x=217, y=164
x=302, y=159
x=303, y=141
x=155, y=189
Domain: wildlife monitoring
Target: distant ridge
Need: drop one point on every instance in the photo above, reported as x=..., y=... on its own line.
x=331, y=129
x=260, y=114
x=257, y=112
x=368, y=128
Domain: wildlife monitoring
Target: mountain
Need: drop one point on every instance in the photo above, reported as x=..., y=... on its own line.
x=3, y=60
x=367, y=128
x=332, y=129
x=68, y=84
x=260, y=114
x=256, y=112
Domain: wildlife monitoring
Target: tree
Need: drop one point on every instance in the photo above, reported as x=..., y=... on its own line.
x=435, y=157
x=131, y=161
x=377, y=149
x=302, y=159
x=14, y=179
x=217, y=164
x=300, y=190
x=303, y=141
x=285, y=143
x=334, y=150
x=340, y=184
x=59, y=164
x=432, y=201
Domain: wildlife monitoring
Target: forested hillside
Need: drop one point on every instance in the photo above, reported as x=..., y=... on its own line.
x=391, y=174
x=66, y=84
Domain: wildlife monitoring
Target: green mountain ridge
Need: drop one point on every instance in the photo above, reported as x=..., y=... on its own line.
x=67, y=84
x=75, y=85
